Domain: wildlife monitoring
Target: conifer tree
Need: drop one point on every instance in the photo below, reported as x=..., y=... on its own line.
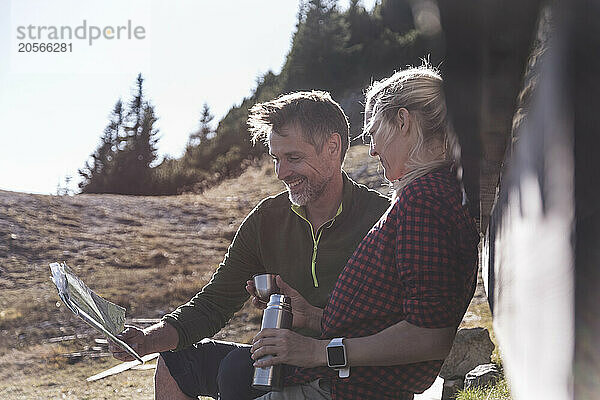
x=319, y=48
x=359, y=23
x=146, y=145
x=122, y=162
x=137, y=149
x=135, y=113
x=395, y=15
x=205, y=130
x=98, y=171
x=197, y=148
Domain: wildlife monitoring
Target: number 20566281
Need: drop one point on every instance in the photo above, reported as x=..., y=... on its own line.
x=45, y=47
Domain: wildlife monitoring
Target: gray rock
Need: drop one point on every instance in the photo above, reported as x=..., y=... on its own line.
x=451, y=386
x=482, y=375
x=472, y=347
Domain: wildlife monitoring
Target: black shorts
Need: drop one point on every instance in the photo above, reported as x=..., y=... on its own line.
x=213, y=368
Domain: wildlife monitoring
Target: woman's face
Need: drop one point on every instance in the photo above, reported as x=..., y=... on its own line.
x=392, y=144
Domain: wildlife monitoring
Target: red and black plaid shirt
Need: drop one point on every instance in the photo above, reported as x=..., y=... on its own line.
x=417, y=264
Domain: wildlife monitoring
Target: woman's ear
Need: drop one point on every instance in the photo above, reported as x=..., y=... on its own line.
x=403, y=117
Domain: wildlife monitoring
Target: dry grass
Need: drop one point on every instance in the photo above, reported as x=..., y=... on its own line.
x=148, y=254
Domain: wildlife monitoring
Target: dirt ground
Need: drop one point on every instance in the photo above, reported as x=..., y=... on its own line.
x=148, y=254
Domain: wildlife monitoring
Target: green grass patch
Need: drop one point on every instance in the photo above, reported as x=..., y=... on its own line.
x=498, y=391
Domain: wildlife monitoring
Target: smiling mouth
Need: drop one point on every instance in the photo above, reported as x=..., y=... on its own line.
x=292, y=183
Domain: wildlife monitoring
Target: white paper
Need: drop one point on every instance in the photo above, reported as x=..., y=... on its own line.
x=102, y=315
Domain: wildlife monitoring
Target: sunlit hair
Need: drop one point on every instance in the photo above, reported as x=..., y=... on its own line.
x=315, y=113
x=420, y=91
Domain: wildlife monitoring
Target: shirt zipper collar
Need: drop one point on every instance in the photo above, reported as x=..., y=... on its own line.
x=300, y=211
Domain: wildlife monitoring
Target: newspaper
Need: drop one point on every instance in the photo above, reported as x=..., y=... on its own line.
x=102, y=315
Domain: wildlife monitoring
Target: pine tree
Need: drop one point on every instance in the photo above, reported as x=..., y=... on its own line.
x=395, y=15
x=359, y=23
x=319, y=48
x=98, y=171
x=199, y=141
x=205, y=130
x=137, y=148
x=146, y=145
x=135, y=114
x=122, y=162
x=393, y=42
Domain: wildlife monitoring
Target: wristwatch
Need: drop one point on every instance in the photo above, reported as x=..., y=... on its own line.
x=336, y=357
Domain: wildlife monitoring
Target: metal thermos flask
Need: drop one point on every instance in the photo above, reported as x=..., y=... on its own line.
x=278, y=314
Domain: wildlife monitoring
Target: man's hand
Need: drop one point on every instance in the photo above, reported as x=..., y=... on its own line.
x=134, y=337
x=288, y=347
x=155, y=339
x=256, y=302
x=305, y=314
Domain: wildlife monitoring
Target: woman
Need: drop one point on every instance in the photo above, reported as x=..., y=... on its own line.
x=398, y=302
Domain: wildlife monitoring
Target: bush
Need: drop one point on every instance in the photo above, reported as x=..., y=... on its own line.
x=174, y=177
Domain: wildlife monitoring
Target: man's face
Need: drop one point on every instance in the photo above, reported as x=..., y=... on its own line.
x=305, y=172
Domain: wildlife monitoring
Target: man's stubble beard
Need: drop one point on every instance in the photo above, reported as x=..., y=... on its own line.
x=312, y=191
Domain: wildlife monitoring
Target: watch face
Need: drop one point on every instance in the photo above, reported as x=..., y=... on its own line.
x=336, y=356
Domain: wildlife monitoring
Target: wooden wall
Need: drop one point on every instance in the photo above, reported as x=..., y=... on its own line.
x=522, y=88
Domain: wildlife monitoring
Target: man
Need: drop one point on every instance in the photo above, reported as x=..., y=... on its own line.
x=306, y=237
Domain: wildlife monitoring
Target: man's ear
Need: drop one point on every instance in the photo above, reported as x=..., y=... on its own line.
x=333, y=146
x=403, y=118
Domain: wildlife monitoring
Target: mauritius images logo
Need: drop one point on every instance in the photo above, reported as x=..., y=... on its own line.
x=85, y=31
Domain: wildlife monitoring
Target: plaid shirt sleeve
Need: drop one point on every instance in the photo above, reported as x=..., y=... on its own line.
x=431, y=298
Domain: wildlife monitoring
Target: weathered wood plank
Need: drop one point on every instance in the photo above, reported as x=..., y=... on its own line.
x=121, y=367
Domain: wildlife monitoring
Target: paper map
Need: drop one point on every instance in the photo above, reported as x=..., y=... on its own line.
x=106, y=317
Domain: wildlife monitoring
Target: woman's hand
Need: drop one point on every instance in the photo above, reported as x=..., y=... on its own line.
x=287, y=347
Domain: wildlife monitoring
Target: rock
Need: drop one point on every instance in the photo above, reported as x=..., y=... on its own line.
x=472, y=347
x=451, y=386
x=482, y=375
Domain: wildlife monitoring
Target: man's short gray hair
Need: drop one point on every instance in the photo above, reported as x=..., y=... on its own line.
x=315, y=113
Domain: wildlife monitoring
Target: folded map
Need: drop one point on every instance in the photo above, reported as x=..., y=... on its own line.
x=106, y=317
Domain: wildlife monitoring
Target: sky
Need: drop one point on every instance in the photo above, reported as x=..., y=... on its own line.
x=54, y=106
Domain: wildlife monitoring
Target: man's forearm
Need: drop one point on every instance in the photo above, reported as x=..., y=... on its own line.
x=161, y=337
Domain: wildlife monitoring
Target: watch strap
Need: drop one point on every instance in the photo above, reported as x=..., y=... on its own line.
x=344, y=372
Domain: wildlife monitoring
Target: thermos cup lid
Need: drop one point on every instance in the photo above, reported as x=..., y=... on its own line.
x=280, y=300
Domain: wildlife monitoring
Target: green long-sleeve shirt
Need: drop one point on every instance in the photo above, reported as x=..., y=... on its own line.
x=276, y=238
